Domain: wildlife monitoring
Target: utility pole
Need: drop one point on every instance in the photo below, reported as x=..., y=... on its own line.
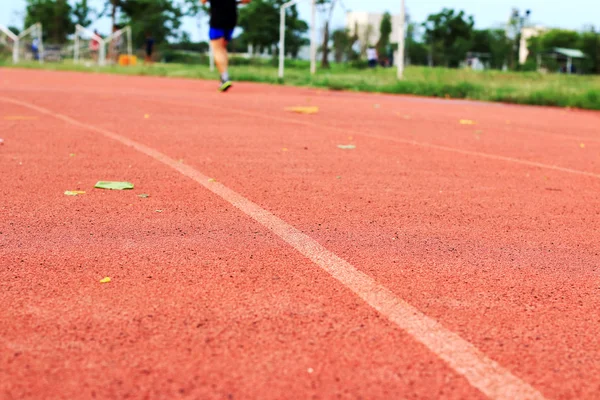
x=313, y=37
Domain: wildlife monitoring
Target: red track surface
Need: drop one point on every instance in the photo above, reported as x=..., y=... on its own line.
x=492, y=230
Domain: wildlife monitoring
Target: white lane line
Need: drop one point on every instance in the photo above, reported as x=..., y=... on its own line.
x=482, y=372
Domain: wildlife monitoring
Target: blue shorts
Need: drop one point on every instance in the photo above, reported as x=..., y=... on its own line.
x=216, y=33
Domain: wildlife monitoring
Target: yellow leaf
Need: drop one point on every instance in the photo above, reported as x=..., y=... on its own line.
x=582, y=145
x=284, y=149
x=303, y=110
x=466, y=122
x=105, y=280
x=212, y=180
x=74, y=192
x=146, y=116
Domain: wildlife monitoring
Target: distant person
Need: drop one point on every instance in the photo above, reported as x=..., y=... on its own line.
x=372, y=56
x=149, y=48
x=116, y=45
x=35, y=48
x=95, y=46
x=223, y=19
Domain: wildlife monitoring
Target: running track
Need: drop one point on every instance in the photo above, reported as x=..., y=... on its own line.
x=435, y=260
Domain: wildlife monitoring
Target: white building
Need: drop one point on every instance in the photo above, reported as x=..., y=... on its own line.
x=368, y=25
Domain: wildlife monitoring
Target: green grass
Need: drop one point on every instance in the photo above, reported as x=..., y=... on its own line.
x=521, y=88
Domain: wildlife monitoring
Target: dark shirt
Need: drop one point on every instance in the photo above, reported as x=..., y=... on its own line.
x=149, y=44
x=223, y=14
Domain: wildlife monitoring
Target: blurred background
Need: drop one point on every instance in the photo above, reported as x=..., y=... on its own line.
x=446, y=42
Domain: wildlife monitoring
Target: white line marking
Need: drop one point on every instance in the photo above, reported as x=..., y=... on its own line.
x=482, y=372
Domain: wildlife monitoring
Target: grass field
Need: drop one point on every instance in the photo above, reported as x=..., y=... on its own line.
x=521, y=88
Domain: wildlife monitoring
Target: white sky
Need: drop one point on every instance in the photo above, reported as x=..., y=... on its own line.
x=568, y=14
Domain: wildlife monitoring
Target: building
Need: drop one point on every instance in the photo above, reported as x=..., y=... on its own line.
x=366, y=25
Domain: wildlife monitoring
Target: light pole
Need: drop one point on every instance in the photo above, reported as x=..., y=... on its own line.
x=521, y=22
x=401, y=41
x=313, y=37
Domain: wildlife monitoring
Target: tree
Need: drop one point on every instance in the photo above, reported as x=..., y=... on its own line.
x=385, y=31
x=342, y=45
x=161, y=18
x=449, y=36
x=295, y=30
x=588, y=42
x=55, y=16
x=81, y=13
x=416, y=52
x=260, y=23
x=326, y=7
x=590, y=45
x=495, y=44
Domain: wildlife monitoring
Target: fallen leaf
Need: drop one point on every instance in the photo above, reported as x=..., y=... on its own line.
x=310, y=370
x=466, y=122
x=582, y=145
x=284, y=149
x=144, y=195
x=303, y=110
x=146, y=116
x=346, y=146
x=71, y=154
x=74, y=192
x=158, y=211
x=105, y=280
x=212, y=180
x=114, y=185
x=338, y=177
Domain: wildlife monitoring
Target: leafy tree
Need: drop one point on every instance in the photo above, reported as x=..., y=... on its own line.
x=260, y=23
x=161, y=18
x=82, y=12
x=326, y=7
x=590, y=45
x=495, y=44
x=385, y=31
x=342, y=44
x=449, y=35
x=295, y=30
x=55, y=16
x=416, y=52
x=588, y=42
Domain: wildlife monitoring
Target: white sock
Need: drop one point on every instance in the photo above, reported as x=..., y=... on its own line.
x=225, y=76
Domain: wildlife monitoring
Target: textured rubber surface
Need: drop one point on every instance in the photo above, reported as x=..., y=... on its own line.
x=491, y=229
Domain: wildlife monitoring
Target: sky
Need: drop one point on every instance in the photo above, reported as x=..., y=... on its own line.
x=571, y=14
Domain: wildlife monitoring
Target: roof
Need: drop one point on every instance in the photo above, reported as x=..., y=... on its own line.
x=572, y=53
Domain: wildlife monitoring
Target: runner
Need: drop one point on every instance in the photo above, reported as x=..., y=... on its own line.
x=223, y=18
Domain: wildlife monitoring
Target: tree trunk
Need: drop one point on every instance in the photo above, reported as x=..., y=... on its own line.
x=113, y=13
x=325, y=47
